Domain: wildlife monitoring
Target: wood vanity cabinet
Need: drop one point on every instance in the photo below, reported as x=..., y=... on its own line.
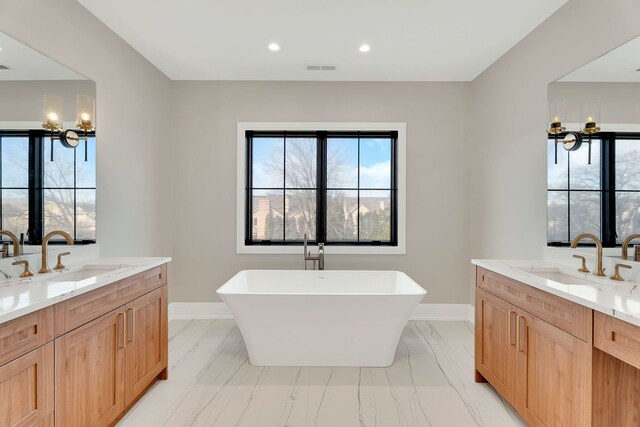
x=541, y=369
x=85, y=361
x=26, y=388
x=104, y=366
x=90, y=372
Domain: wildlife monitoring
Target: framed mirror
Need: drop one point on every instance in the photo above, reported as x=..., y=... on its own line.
x=45, y=183
x=597, y=193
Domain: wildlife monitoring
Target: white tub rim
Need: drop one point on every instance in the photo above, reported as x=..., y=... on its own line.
x=419, y=290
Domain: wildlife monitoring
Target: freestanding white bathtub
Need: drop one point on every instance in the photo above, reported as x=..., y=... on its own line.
x=321, y=318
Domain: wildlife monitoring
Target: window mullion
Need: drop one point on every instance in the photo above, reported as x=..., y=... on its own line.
x=321, y=187
x=608, y=204
x=36, y=181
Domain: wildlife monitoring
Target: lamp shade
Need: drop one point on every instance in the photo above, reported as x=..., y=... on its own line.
x=590, y=111
x=52, y=112
x=557, y=108
x=85, y=112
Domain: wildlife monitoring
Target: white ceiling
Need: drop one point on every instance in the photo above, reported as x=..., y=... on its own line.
x=619, y=65
x=413, y=40
x=26, y=64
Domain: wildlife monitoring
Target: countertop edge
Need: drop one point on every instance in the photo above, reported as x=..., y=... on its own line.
x=506, y=268
x=147, y=264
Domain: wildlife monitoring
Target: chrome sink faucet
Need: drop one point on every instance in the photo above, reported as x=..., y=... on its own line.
x=599, y=271
x=314, y=258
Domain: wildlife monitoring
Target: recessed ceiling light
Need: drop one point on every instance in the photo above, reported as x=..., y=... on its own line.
x=365, y=48
x=274, y=47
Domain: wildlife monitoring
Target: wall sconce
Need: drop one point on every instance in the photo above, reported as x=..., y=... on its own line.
x=589, y=110
x=85, y=121
x=556, y=114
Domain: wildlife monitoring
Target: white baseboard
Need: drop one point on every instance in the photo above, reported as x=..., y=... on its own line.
x=219, y=310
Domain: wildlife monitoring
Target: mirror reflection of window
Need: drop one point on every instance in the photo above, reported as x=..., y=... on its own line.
x=14, y=188
x=627, y=188
x=69, y=189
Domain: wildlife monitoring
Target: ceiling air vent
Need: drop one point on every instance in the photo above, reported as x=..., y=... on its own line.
x=321, y=67
x=3, y=67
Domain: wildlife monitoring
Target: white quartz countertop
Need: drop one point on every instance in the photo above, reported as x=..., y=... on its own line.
x=618, y=299
x=23, y=296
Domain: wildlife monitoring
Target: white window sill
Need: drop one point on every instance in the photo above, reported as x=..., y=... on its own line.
x=328, y=250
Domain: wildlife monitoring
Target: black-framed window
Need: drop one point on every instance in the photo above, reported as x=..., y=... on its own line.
x=43, y=190
x=603, y=197
x=339, y=188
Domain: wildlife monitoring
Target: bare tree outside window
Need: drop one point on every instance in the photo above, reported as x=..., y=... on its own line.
x=68, y=186
x=288, y=210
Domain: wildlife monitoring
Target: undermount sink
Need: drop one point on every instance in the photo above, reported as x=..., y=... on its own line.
x=86, y=272
x=554, y=274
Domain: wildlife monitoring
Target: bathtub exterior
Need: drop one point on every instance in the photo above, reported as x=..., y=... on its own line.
x=321, y=318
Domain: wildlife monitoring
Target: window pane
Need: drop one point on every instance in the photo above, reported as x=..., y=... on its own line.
x=342, y=163
x=558, y=216
x=59, y=173
x=375, y=215
x=585, y=213
x=300, y=217
x=342, y=215
x=557, y=175
x=627, y=214
x=86, y=171
x=15, y=162
x=375, y=163
x=627, y=161
x=267, y=221
x=15, y=211
x=301, y=162
x=58, y=210
x=585, y=176
x=85, y=215
x=268, y=163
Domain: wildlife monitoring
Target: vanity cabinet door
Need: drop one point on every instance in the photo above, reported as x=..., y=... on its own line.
x=554, y=375
x=89, y=384
x=146, y=342
x=495, y=345
x=26, y=388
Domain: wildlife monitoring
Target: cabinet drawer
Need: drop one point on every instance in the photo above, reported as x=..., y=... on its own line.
x=26, y=388
x=566, y=315
x=24, y=334
x=619, y=339
x=82, y=309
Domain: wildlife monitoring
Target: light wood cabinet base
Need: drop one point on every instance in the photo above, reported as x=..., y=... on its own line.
x=85, y=361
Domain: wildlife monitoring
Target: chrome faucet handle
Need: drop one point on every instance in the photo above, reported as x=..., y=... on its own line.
x=26, y=272
x=583, y=268
x=60, y=265
x=617, y=276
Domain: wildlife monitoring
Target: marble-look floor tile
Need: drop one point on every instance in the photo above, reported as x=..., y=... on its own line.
x=212, y=383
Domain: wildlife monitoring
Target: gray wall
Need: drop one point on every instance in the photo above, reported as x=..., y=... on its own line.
x=476, y=183
x=204, y=135
x=508, y=177
x=132, y=111
x=22, y=100
x=619, y=102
